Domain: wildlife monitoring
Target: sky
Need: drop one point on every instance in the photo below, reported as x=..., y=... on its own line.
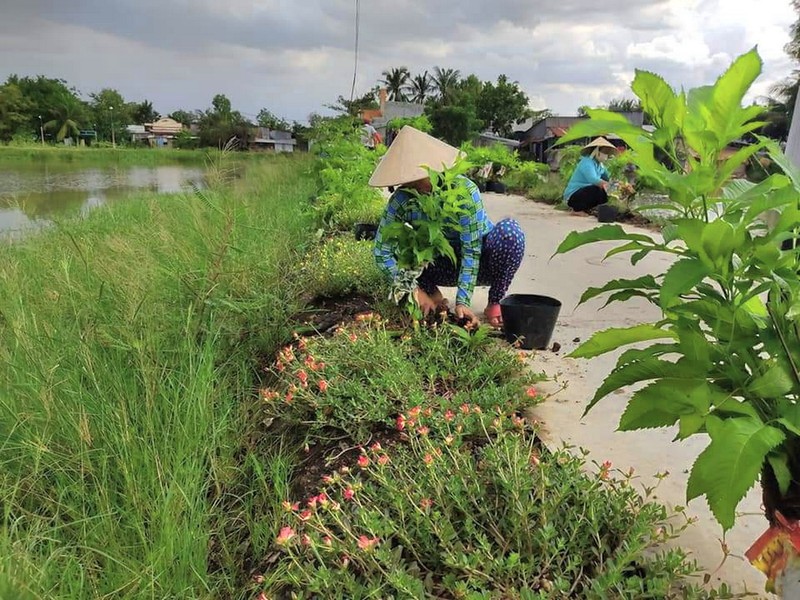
x=295, y=56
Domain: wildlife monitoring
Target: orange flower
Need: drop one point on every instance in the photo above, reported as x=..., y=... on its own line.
x=376, y=446
x=428, y=459
x=365, y=543
x=425, y=503
x=363, y=461
x=400, y=423
x=535, y=460
x=414, y=412
x=348, y=494
x=449, y=415
x=268, y=395
x=289, y=507
x=323, y=386
x=531, y=392
x=286, y=534
x=423, y=430
x=383, y=460
x=464, y=408
x=304, y=516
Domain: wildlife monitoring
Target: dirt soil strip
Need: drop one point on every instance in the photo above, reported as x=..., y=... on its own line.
x=649, y=452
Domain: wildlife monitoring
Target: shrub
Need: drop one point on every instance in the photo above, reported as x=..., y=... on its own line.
x=550, y=191
x=422, y=123
x=529, y=174
x=452, y=514
x=343, y=266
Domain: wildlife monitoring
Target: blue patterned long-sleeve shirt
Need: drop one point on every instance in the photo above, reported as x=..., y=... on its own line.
x=474, y=225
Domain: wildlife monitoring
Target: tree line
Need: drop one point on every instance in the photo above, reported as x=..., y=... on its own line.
x=35, y=108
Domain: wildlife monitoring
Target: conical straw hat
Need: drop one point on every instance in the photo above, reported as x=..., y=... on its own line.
x=409, y=152
x=600, y=142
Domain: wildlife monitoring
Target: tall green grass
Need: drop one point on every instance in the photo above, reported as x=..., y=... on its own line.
x=110, y=156
x=128, y=342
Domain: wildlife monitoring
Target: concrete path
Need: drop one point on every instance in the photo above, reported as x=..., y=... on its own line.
x=649, y=452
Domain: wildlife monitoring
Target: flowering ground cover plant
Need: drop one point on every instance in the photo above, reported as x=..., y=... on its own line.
x=358, y=380
x=726, y=360
x=470, y=506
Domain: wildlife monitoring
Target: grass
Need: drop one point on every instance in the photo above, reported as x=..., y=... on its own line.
x=128, y=341
x=101, y=156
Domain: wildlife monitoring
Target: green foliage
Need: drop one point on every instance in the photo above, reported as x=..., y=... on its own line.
x=471, y=507
x=501, y=105
x=568, y=157
x=419, y=242
x=454, y=124
x=344, y=167
x=109, y=109
x=421, y=123
x=729, y=367
x=14, y=112
x=527, y=176
x=497, y=154
x=343, y=266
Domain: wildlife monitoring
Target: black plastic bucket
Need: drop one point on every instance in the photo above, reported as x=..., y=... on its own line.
x=607, y=213
x=365, y=231
x=529, y=319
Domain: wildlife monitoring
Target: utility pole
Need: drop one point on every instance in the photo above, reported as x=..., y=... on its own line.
x=41, y=129
x=113, y=139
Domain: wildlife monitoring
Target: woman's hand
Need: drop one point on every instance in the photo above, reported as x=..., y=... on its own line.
x=425, y=302
x=464, y=313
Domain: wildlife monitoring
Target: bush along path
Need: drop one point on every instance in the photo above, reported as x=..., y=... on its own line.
x=400, y=466
x=722, y=361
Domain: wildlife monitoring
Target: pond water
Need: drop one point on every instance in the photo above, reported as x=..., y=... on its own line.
x=33, y=195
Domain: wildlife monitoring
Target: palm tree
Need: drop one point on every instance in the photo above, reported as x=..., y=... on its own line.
x=395, y=80
x=445, y=81
x=65, y=117
x=421, y=87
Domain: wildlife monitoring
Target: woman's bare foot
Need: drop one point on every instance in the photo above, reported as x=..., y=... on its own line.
x=493, y=315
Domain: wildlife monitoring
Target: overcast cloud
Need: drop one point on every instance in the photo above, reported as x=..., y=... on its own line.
x=294, y=56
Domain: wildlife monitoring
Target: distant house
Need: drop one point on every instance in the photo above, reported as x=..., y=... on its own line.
x=537, y=141
x=271, y=140
x=390, y=109
x=159, y=134
x=487, y=138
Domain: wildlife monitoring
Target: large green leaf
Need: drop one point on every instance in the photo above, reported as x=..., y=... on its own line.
x=680, y=278
x=662, y=403
x=729, y=91
x=604, y=233
x=627, y=373
x=780, y=467
x=611, y=339
x=647, y=282
x=776, y=382
x=731, y=463
x=656, y=96
x=719, y=240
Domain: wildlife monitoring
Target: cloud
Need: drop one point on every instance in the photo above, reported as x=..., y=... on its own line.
x=295, y=57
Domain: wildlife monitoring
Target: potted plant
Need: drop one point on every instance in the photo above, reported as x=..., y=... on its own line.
x=724, y=358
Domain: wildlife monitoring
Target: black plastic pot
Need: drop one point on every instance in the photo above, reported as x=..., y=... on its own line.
x=497, y=187
x=607, y=213
x=529, y=319
x=365, y=231
x=481, y=186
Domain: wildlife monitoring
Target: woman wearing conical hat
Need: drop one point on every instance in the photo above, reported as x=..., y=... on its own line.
x=488, y=254
x=589, y=182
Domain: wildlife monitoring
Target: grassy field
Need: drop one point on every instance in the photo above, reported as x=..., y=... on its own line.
x=128, y=342
x=100, y=156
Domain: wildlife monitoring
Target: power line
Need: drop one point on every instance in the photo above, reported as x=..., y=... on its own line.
x=355, y=65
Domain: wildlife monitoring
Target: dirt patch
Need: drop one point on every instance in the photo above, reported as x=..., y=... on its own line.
x=324, y=314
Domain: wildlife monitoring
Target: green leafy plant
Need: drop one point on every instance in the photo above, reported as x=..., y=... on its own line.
x=470, y=507
x=527, y=175
x=342, y=266
x=490, y=163
x=419, y=242
x=421, y=123
x=724, y=358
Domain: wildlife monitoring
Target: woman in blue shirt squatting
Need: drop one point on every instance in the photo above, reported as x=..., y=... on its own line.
x=589, y=182
x=487, y=253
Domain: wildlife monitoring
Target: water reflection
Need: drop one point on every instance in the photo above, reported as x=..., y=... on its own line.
x=31, y=196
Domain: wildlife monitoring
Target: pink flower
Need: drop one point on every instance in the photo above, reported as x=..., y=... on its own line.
x=323, y=386
x=348, y=494
x=309, y=361
x=365, y=543
x=327, y=479
x=286, y=534
x=322, y=499
x=400, y=423
x=425, y=503
x=376, y=446
x=449, y=415
x=423, y=431
x=353, y=337
x=289, y=506
x=363, y=461
x=269, y=395
x=345, y=561
x=317, y=366
x=303, y=377
x=606, y=465
x=262, y=596
x=535, y=460
x=464, y=408
x=477, y=409
x=531, y=392
x=312, y=502
x=327, y=540
x=279, y=366
x=428, y=459
x=383, y=460
x=305, y=540
x=289, y=397
x=428, y=412
x=414, y=412
x=304, y=516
